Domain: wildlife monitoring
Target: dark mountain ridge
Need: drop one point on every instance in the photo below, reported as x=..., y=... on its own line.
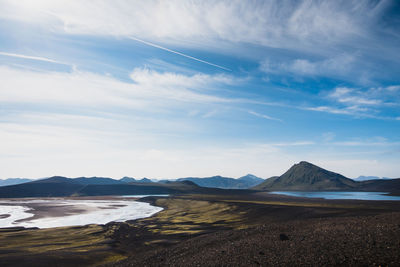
x=133, y=180
x=59, y=186
x=305, y=176
x=13, y=181
x=218, y=181
x=368, y=178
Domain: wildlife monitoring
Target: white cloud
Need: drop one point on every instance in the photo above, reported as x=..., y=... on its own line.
x=328, y=136
x=367, y=103
x=272, y=23
x=149, y=89
x=393, y=88
x=330, y=110
x=100, y=148
x=289, y=144
x=75, y=145
x=73, y=150
x=353, y=97
x=32, y=58
x=336, y=66
x=263, y=116
x=366, y=143
x=51, y=144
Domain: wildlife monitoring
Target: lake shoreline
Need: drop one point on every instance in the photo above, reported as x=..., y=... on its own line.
x=74, y=211
x=348, y=195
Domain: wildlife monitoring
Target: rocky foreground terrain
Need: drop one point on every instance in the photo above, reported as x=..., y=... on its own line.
x=344, y=241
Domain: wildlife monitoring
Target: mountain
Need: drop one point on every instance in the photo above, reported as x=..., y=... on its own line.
x=59, y=186
x=145, y=180
x=133, y=180
x=251, y=180
x=225, y=182
x=96, y=180
x=305, y=176
x=13, y=181
x=367, y=178
x=381, y=185
x=56, y=186
x=138, y=188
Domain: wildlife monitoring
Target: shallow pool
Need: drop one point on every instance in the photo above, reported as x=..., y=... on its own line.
x=339, y=195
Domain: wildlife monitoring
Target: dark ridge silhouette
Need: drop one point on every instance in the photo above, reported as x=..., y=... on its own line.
x=307, y=176
x=133, y=180
x=303, y=176
x=14, y=181
x=244, y=182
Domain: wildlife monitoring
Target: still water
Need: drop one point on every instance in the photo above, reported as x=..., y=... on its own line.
x=339, y=195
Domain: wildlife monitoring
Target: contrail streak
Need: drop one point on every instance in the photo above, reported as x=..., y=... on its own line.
x=32, y=57
x=178, y=53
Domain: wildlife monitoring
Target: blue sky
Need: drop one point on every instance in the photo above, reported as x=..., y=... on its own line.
x=168, y=89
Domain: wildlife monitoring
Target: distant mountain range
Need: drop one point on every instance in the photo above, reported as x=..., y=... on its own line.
x=243, y=182
x=13, y=181
x=133, y=180
x=305, y=176
x=215, y=181
x=58, y=186
x=367, y=178
x=83, y=180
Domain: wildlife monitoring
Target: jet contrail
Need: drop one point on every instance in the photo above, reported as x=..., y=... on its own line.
x=32, y=57
x=178, y=53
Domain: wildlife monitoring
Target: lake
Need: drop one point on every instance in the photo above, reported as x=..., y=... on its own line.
x=58, y=212
x=339, y=195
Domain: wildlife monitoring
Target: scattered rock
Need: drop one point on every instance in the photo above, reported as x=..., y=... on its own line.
x=283, y=237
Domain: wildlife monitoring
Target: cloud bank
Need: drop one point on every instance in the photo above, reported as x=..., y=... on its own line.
x=271, y=23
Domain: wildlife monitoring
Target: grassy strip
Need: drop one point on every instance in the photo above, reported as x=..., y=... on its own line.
x=87, y=245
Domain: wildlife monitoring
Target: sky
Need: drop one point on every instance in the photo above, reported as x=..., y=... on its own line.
x=168, y=89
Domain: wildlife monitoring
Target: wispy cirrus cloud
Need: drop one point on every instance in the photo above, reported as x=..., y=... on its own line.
x=128, y=107
x=336, y=66
x=324, y=38
x=32, y=58
x=360, y=102
x=263, y=116
x=334, y=110
x=368, y=143
x=351, y=96
x=147, y=89
x=272, y=23
x=178, y=53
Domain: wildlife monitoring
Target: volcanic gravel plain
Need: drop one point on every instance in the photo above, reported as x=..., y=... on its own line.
x=241, y=229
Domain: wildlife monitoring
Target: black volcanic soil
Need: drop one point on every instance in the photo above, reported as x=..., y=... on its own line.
x=282, y=231
x=255, y=229
x=346, y=241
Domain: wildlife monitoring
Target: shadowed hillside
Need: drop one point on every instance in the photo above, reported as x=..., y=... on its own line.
x=307, y=176
x=226, y=182
x=13, y=181
x=61, y=186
